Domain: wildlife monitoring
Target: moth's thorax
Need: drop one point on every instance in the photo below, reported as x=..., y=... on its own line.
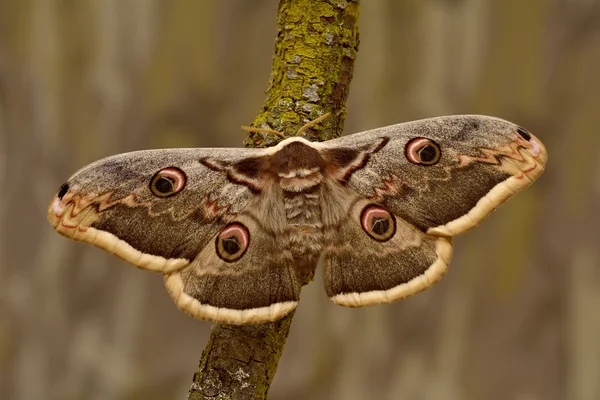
x=297, y=166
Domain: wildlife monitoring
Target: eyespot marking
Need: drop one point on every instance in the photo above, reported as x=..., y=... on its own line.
x=167, y=182
x=232, y=242
x=378, y=223
x=423, y=151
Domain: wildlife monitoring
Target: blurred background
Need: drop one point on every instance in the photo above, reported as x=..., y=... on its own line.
x=518, y=314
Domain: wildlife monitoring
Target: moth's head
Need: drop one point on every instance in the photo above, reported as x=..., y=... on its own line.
x=465, y=139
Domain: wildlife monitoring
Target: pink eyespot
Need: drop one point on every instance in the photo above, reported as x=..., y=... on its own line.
x=167, y=182
x=378, y=223
x=232, y=242
x=423, y=151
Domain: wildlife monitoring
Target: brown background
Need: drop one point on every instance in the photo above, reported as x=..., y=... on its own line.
x=518, y=315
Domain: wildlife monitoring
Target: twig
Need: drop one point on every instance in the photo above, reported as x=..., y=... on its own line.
x=315, y=49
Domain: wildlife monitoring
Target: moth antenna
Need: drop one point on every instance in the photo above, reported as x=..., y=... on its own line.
x=263, y=130
x=312, y=123
x=304, y=127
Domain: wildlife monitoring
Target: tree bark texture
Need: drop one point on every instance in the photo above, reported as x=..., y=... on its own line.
x=313, y=63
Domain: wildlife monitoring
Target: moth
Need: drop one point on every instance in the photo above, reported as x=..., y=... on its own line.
x=235, y=231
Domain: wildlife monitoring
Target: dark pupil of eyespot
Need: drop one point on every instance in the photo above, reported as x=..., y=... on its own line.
x=231, y=245
x=380, y=226
x=427, y=153
x=164, y=185
x=524, y=134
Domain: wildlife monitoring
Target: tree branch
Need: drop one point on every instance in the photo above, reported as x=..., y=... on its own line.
x=315, y=49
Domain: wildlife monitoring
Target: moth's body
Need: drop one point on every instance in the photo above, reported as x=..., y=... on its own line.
x=238, y=231
x=297, y=198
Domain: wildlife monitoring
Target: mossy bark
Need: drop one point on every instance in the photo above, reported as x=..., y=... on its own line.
x=315, y=49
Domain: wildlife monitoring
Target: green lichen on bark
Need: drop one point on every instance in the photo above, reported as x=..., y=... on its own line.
x=313, y=64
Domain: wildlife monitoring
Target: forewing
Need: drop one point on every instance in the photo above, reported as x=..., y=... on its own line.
x=484, y=161
x=111, y=204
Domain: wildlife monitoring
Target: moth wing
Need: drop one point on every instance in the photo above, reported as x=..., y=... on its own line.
x=110, y=204
x=260, y=286
x=360, y=270
x=483, y=162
